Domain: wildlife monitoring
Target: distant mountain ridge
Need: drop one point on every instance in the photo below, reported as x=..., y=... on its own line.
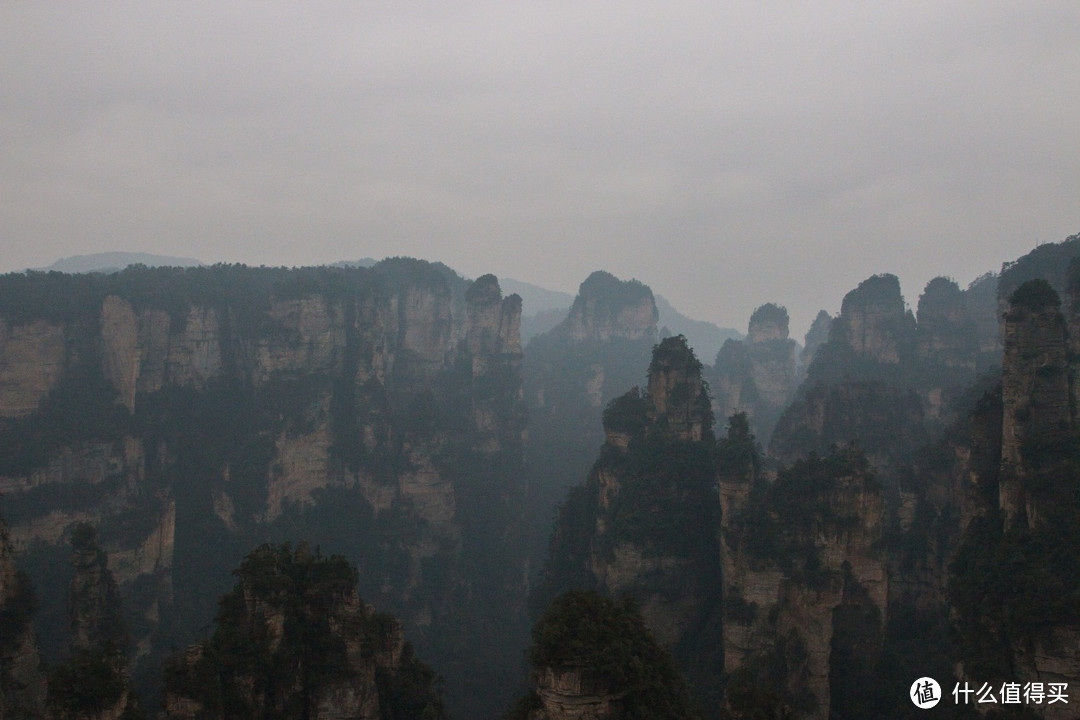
x=543, y=309
x=114, y=261
x=536, y=299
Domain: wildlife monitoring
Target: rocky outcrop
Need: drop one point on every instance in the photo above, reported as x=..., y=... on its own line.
x=861, y=384
x=947, y=343
x=311, y=648
x=815, y=337
x=757, y=376
x=980, y=299
x=494, y=323
x=493, y=347
x=1049, y=262
x=591, y=356
x=22, y=684
x=678, y=402
x=597, y=354
x=574, y=693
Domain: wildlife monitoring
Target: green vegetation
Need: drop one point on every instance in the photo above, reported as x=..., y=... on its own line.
x=607, y=640
x=1035, y=296
x=281, y=639
x=90, y=681
x=667, y=502
x=1050, y=262
x=770, y=313
x=612, y=293
x=627, y=413
x=1072, y=287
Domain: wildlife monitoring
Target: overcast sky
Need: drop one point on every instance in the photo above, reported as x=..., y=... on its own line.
x=726, y=153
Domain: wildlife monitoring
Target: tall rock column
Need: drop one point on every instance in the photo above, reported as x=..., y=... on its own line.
x=22, y=685
x=644, y=522
x=1035, y=391
x=92, y=683
x=757, y=376
x=493, y=341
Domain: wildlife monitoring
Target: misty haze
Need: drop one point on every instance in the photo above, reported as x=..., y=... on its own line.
x=539, y=361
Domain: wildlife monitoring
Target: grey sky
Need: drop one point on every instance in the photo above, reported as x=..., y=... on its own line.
x=728, y=154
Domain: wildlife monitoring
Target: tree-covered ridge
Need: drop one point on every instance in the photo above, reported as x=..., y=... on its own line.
x=611, y=292
x=788, y=517
x=1035, y=295
x=770, y=313
x=60, y=297
x=1049, y=262
x=291, y=633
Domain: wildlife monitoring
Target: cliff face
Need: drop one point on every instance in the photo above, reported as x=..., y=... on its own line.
x=31, y=362
x=805, y=581
x=22, y=684
x=574, y=693
x=757, y=376
x=1020, y=509
x=379, y=411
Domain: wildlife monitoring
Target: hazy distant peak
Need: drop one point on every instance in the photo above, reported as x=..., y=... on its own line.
x=536, y=299
x=704, y=337
x=115, y=261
